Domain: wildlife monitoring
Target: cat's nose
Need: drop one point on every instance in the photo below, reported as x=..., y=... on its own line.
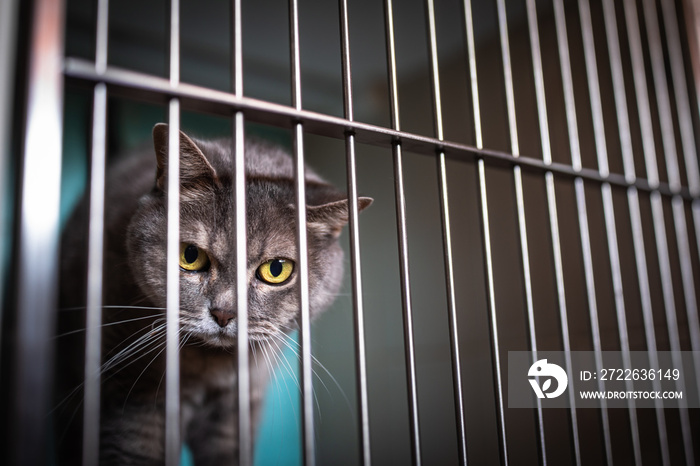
x=222, y=316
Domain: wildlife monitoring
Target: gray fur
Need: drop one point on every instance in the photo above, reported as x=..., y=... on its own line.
x=135, y=240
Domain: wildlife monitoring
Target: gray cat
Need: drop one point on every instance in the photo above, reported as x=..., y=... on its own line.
x=132, y=414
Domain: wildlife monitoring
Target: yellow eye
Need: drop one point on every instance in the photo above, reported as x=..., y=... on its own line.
x=275, y=271
x=192, y=258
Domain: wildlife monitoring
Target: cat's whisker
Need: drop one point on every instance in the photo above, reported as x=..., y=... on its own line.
x=140, y=343
x=121, y=306
x=164, y=347
x=290, y=370
x=66, y=399
x=112, y=362
x=255, y=355
x=280, y=356
x=271, y=371
x=113, y=306
x=108, y=324
x=278, y=391
x=268, y=362
x=145, y=351
x=288, y=341
x=183, y=336
x=292, y=375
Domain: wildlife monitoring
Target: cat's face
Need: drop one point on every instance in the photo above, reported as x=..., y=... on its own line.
x=208, y=309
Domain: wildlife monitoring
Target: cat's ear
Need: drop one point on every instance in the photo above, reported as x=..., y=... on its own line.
x=195, y=169
x=330, y=218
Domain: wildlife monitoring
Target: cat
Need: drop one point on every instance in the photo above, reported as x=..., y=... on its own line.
x=134, y=292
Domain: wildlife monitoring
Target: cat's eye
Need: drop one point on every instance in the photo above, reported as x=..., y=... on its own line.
x=275, y=271
x=192, y=258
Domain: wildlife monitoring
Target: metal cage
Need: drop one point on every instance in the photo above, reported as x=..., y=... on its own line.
x=569, y=216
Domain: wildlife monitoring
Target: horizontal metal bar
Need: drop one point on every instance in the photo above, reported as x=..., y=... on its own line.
x=143, y=86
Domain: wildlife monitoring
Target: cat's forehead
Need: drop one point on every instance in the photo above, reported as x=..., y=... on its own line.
x=262, y=159
x=269, y=206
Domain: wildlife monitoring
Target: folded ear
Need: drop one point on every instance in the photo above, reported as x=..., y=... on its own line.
x=195, y=169
x=330, y=218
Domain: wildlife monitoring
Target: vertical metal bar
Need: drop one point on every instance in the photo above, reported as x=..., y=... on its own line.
x=616, y=270
x=593, y=86
x=640, y=85
x=37, y=266
x=662, y=97
x=295, y=53
x=468, y=18
x=8, y=40
x=669, y=144
x=471, y=51
x=508, y=76
x=245, y=435
x=532, y=334
x=640, y=256
x=549, y=179
x=559, y=272
x=345, y=54
x=539, y=80
x=361, y=364
x=93, y=328
x=520, y=203
x=174, y=42
x=307, y=387
x=403, y=239
x=101, y=36
x=172, y=371
x=680, y=87
x=303, y=265
x=592, y=307
x=659, y=78
x=447, y=238
x=575, y=148
x=690, y=156
x=434, y=70
x=237, y=71
x=407, y=306
x=493, y=318
x=568, y=83
x=452, y=306
x=360, y=345
x=391, y=62
x=687, y=277
x=691, y=12
x=671, y=318
x=619, y=93
x=628, y=162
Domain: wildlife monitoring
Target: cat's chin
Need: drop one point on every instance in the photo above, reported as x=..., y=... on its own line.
x=220, y=341
x=227, y=339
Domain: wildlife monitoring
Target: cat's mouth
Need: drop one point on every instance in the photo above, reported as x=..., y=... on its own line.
x=226, y=337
